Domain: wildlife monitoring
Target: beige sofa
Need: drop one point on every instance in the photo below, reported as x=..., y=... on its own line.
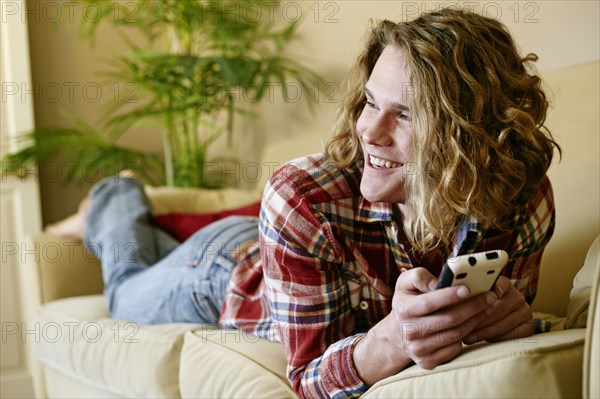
x=82, y=352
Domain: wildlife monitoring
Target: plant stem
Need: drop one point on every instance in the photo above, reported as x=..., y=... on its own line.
x=186, y=151
x=168, y=148
x=198, y=180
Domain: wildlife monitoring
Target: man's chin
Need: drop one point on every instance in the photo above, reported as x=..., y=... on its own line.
x=374, y=194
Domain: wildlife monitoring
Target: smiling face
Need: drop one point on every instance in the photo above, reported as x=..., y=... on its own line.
x=384, y=129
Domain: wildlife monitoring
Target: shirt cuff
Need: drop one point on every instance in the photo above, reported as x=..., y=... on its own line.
x=542, y=326
x=338, y=371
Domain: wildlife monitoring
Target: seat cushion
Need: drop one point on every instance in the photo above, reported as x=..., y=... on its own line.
x=542, y=366
x=234, y=365
x=77, y=338
x=545, y=365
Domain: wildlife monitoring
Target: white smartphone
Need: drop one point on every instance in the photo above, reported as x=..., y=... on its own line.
x=478, y=271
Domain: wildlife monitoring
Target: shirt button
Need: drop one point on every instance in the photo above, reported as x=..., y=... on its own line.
x=364, y=305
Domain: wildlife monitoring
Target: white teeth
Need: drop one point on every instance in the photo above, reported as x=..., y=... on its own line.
x=383, y=163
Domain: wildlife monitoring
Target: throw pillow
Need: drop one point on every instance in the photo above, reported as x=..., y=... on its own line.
x=182, y=211
x=182, y=225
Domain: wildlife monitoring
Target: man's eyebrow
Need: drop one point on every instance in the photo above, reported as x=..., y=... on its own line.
x=398, y=106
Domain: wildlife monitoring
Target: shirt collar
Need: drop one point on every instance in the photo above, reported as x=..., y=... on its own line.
x=467, y=238
x=468, y=235
x=374, y=211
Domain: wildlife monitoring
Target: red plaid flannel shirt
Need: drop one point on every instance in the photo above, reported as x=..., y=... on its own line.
x=328, y=263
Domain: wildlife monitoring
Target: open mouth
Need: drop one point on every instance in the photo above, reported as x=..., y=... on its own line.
x=379, y=163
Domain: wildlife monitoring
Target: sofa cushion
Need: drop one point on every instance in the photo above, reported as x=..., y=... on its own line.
x=277, y=153
x=234, y=365
x=78, y=339
x=67, y=387
x=542, y=366
x=577, y=310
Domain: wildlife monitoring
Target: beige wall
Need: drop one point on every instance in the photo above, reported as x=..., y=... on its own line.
x=65, y=78
x=563, y=33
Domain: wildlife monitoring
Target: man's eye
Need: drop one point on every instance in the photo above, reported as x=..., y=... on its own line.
x=370, y=104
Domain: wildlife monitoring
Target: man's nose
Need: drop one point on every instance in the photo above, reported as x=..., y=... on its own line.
x=380, y=132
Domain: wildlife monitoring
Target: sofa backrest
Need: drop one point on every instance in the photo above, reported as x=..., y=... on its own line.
x=279, y=152
x=573, y=119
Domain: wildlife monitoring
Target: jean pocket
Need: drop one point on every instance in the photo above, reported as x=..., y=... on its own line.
x=204, y=303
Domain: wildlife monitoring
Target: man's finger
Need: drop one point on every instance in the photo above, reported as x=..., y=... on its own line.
x=449, y=300
x=521, y=331
x=502, y=286
x=501, y=328
x=416, y=280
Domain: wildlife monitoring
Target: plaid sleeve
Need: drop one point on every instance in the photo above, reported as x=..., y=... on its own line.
x=307, y=294
x=535, y=226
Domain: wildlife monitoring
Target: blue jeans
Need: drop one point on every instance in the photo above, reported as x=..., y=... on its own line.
x=149, y=277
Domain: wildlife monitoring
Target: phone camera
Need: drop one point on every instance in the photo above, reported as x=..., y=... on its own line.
x=472, y=261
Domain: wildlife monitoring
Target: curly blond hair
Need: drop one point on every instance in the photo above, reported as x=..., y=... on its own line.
x=477, y=111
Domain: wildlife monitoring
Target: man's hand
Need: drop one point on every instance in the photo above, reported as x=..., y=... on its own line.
x=426, y=326
x=510, y=317
x=431, y=323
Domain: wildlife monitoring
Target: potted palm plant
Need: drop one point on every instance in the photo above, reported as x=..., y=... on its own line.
x=213, y=50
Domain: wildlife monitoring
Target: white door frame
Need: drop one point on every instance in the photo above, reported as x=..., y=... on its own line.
x=19, y=198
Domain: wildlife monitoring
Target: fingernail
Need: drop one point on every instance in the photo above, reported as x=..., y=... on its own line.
x=490, y=298
x=463, y=292
x=489, y=311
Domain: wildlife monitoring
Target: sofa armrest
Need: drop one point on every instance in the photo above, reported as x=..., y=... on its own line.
x=591, y=357
x=59, y=268
x=54, y=268
x=579, y=300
